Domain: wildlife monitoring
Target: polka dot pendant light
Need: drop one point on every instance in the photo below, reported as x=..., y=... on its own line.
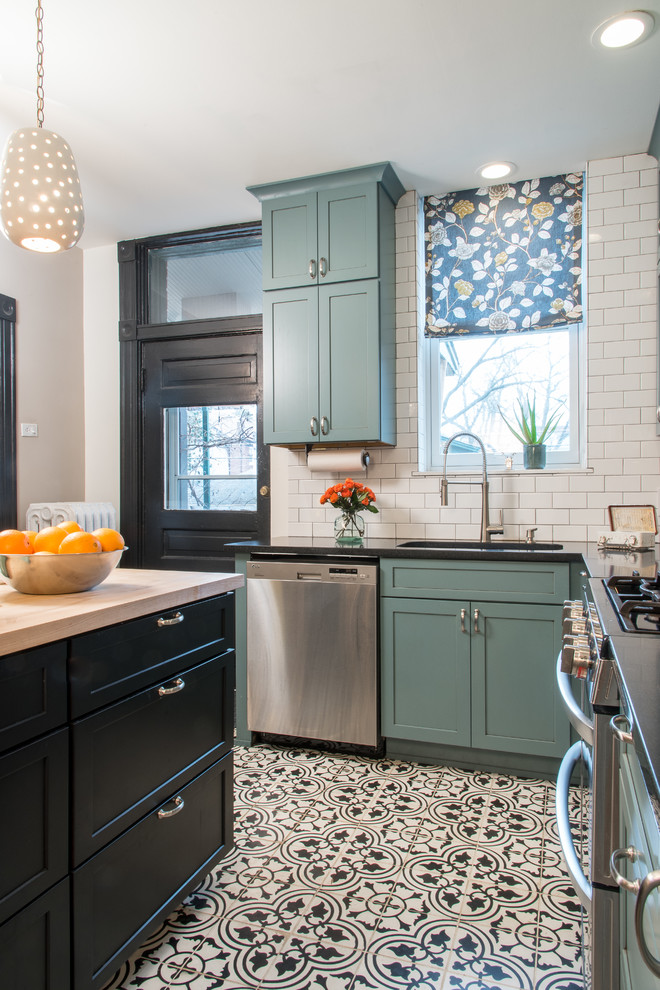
x=41, y=206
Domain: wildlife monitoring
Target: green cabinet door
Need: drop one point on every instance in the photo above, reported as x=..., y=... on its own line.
x=515, y=701
x=291, y=361
x=349, y=361
x=289, y=232
x=348, y=233
x=638, y=830
x=425, y=671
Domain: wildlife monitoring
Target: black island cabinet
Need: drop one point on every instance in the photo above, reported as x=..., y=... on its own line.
x=116, y=763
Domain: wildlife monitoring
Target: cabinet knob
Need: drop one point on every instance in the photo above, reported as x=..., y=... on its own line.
x=312, y=268
x=265, y=491
x=323, y=267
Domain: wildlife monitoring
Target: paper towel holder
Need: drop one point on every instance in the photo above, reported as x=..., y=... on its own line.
x=334, y=452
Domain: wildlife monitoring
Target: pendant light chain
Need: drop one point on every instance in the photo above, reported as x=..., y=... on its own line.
x=40, y=64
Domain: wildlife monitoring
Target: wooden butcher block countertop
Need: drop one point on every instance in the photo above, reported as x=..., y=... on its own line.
x=32, y=620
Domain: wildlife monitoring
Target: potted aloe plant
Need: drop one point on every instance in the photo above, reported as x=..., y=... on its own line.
x=532, y=434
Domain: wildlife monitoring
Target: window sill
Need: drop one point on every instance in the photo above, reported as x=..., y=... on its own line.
x=502, y=472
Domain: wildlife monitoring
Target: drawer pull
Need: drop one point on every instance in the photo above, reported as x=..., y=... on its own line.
x=176, y=618
x=312, y=268
x=323, y=267
x=622, y=728
x=476, y=620
x=177, y=804
x=631, y=854
x=463, y=614
x=174, y=687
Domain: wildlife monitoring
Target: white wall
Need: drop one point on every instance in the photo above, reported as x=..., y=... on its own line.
x=623, y=452
x=49, y=372
x=101, y=362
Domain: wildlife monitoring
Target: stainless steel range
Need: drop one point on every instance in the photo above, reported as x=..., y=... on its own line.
x=585, y=656
x=587, y=677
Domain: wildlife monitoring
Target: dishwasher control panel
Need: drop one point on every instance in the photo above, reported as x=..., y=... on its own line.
x=321, y=572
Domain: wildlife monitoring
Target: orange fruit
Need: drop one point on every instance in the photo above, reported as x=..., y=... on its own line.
x=30, y=533
x=70, y=526
x=14, y=541
x=49, y=538
x=80, y=543
x=110, y=539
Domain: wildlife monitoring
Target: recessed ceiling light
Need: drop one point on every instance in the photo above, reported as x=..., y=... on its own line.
x=624, y=30
x=496, y=170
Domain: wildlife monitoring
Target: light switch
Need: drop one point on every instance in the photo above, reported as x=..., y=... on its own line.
x=29, y=430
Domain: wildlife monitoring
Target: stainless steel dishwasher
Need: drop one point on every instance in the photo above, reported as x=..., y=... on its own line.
x=312, y=650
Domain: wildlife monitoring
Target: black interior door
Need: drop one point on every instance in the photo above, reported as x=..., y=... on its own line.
x=205, y=470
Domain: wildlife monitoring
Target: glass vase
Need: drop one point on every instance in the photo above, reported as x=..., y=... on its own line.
x=349, y=529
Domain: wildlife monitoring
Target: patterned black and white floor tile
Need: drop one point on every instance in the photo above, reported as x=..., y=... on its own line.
x=357, y=874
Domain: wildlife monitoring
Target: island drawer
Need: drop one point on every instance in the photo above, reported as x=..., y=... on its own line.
x=128, y=757
x=493, y=581
x=111, y=663
x=34, y=840
x=33, y=693
x=121, y=894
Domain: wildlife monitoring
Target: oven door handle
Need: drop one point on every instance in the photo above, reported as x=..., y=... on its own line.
x=573, y=756
x=583, y=726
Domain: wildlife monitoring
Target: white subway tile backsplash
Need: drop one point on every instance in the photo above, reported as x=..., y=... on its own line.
x=604, y=166
x=623, y=451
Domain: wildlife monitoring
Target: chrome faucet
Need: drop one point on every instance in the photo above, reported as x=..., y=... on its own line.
x=486, y=529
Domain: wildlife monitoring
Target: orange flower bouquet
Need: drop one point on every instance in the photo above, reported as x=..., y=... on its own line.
x=351, y=498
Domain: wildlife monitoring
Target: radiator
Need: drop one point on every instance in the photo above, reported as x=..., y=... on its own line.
x=89, y=515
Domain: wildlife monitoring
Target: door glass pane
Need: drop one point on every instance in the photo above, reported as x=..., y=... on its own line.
x=211, y=458
x=206, y=280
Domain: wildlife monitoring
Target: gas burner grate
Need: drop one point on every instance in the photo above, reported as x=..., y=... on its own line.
x=636, y=602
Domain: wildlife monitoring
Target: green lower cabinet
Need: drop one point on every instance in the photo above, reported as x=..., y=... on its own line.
x=473, y=674
x=425, y=672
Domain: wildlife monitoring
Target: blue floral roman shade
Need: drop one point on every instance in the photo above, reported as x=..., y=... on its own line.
x=504, y=258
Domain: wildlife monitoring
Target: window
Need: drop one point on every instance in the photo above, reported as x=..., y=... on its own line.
x=467, y=381
x=503, y=321
x=210, y=458
x=205, y=279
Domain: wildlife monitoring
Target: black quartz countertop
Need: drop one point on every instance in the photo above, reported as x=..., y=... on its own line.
x=326, y=546
x=637, y=655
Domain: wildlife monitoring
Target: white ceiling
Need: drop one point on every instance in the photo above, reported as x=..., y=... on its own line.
x=173, y=107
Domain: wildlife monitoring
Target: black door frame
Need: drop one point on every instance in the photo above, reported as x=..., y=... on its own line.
x=8, y=499
x=134, y=331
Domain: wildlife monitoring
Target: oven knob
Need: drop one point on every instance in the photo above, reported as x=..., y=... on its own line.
x=572, y=610
x=575, y=660
x=574, y=626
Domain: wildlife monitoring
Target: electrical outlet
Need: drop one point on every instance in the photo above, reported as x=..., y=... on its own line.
x=29, y=430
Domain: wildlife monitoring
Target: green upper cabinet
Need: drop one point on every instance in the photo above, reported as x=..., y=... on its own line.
x=328, y=228
x=329, y=303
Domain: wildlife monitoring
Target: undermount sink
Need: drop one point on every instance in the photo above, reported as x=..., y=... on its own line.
x=478, y=545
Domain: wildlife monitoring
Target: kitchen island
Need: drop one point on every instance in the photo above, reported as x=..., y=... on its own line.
x=116, y=734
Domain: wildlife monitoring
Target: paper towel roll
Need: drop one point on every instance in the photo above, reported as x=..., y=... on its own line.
x=345, y=460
